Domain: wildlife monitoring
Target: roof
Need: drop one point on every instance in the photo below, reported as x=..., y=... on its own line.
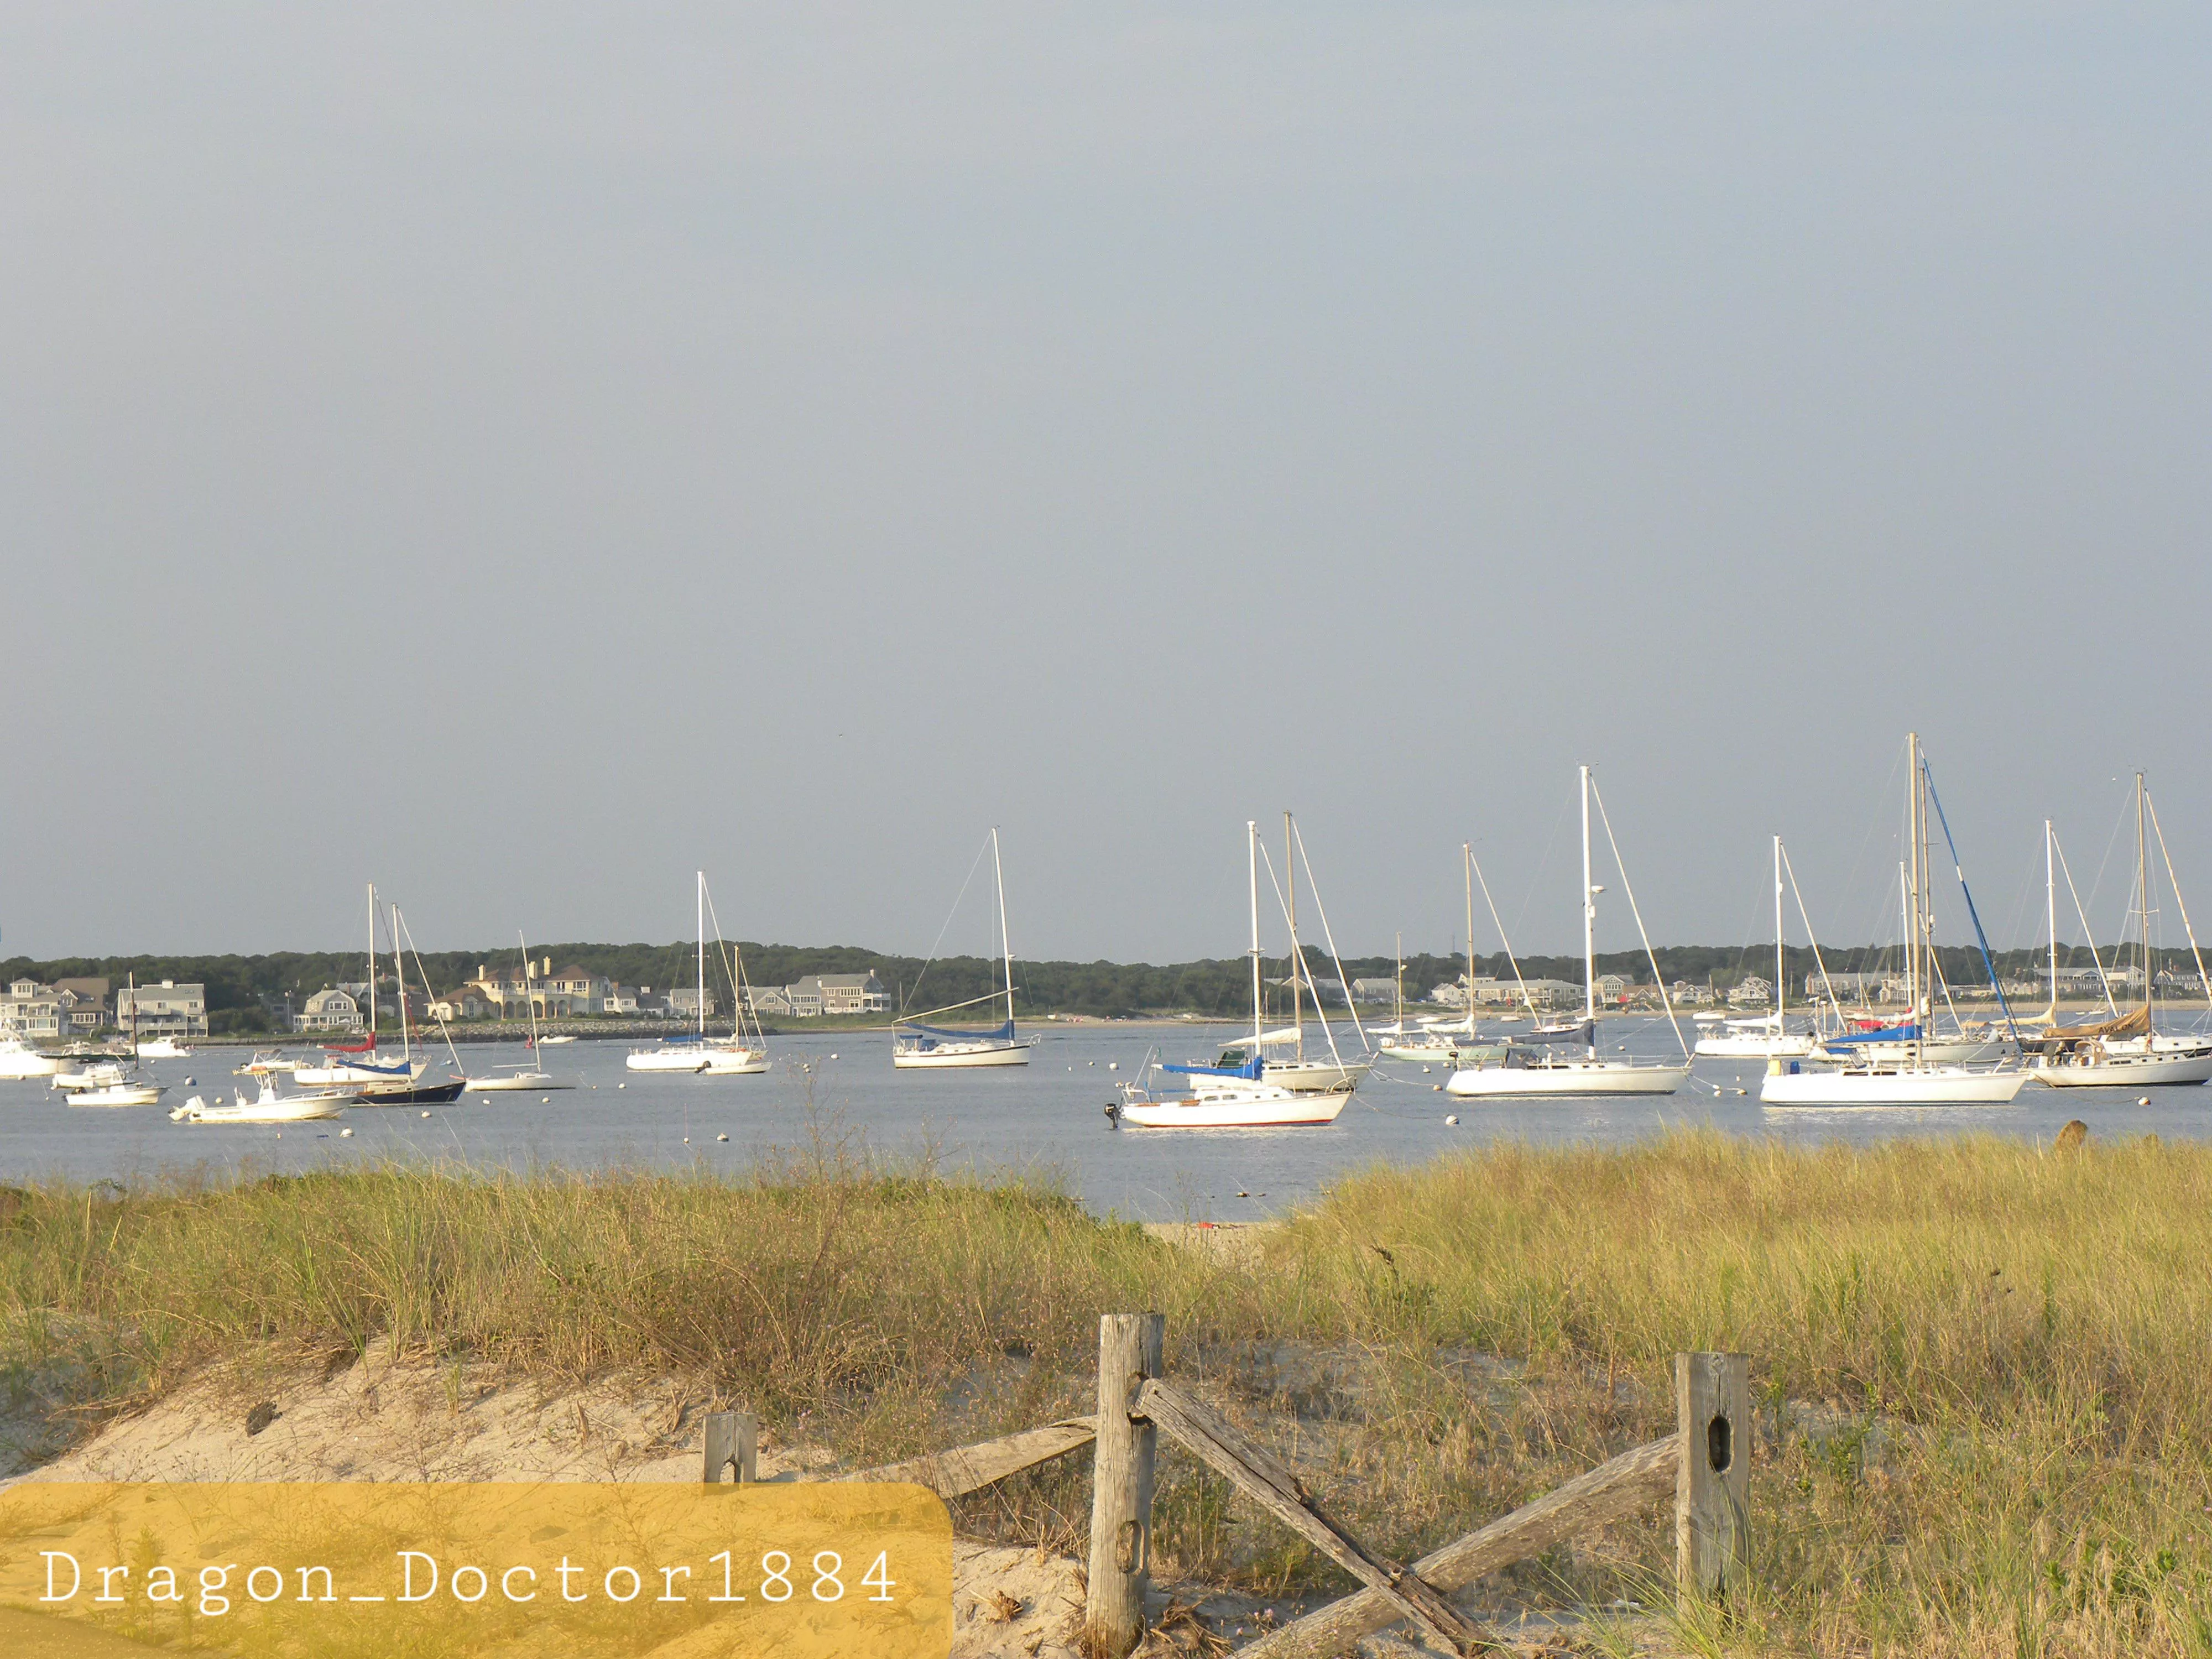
x=840, y=981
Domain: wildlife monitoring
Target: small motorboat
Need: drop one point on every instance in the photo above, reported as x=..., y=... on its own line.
x=127, y=1091
x=19, y=1061
x=101, y=1075
x=163, y=1048
x=516, y=1081
x=268, y=1107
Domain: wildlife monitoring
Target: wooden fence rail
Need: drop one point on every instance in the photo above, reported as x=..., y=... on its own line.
x=1705, y=1463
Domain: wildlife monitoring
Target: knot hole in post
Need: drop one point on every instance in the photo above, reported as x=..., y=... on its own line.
x=1128, y=1539
x=1720, y=1448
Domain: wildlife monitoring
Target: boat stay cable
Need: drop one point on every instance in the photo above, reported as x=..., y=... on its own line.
x=1658, y=983
x=1298, y=962
x=2174, y=882
x=1343, y=984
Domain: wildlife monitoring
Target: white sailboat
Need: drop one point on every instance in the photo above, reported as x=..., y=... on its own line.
x=2126, y=1052
x=269, y=1106
x=1900, y=1071
x=514, y=1079
x=1767, y=1038
x=919, y=1047
x=361, y=1065
x=699, y=1054
x=164, y=1049
x=1524, y=1073
x=1213, y=1097
x=20, y=1062
x=1435, y=1043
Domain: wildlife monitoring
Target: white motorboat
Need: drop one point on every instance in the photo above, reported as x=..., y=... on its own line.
x=555, y=1041
x=1906, y=1067
x=735, y=1055
x=128, y=1092
x=1550, y=1070
x=101, y=1075
x=267, y=1107
x=1789, y=1082
x=922, y=1048
x=268, y=1064
x=163, y=1048
x=20, y=1062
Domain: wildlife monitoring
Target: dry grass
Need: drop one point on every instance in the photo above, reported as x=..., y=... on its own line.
x=1984, y=1423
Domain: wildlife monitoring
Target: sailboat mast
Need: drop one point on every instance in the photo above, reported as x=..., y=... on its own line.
x=529, y=1002
x=1779, y=976
x=1298, y=956
x=1589, y=922
x=372, y=968
x=1467, y=869
x=2050, y=916
x=399, y=984
x=1252, y=862
x=700, y=896
x=1923, y=989
x=1006, y=946
x=2142, y=892
x=1400, y=1017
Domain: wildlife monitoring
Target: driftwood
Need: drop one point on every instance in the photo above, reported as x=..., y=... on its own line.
x=1268, y=1482
x=971, y=1468
x=1631, y=1483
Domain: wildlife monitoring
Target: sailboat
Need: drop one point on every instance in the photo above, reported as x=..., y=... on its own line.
x=735, y=1055
x=1766, y=1037
x=112, y=1085
x=917, y=1047
x=1219, y=1097
x=1547, y=1071
x=2126, y=1051
x=361, y=1063
x=1423, y=1041
x=407, y=1088
x=513, y=1079
x=1900, y=1070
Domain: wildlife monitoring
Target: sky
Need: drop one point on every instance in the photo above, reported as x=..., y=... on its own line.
x=523, y=454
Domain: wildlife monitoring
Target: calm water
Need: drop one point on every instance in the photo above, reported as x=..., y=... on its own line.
x=1046, y=1115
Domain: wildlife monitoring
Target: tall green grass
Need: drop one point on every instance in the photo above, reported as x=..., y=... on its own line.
x=1985, y=1423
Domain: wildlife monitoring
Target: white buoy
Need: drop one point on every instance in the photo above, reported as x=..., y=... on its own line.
x=426, y=1115
x=1452, y=1118
x=2142, y=1100
x=721, y=1137
x=1113, y=1065
x=687, y=1140
x=1436, y=1088
x=345, y=1134
x=544, y=1100
x=833, y=1056
x=622, y=1085
x=1424, y=1071
x=188, y=1083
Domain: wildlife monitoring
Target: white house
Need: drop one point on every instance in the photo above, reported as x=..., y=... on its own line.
x=31, y=1010
x=331, y=1009
x=165, y=1010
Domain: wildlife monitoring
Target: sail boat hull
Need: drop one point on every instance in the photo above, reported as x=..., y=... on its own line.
x=515, y=1083
x=1566, y=1077
x=1740, y=1045
x=1903, y=1085
x=734, y=1060
x=414, y=1094
x=1275, y=1109
x=2128, y=1072
x=950, y=1057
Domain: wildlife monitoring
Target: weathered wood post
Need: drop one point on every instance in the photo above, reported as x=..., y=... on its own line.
x=732, y=1445
x=1712, y=1481
x=1129, y=1349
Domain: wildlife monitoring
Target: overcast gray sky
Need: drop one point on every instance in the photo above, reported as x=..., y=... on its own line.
x=523, y=453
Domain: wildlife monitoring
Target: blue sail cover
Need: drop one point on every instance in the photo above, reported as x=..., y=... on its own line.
x=1000, y=1033
x=1249, y=1071
x=1887, y=1034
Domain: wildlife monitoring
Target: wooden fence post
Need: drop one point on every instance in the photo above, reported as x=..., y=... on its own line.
x=1129, y=1349
x=1712, y=1481
x=732, y=1445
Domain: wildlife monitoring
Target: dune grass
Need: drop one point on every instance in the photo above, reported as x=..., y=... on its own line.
x=1981, y=1369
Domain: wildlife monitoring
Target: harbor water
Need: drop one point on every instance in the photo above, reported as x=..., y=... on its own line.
x=839, y=1089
